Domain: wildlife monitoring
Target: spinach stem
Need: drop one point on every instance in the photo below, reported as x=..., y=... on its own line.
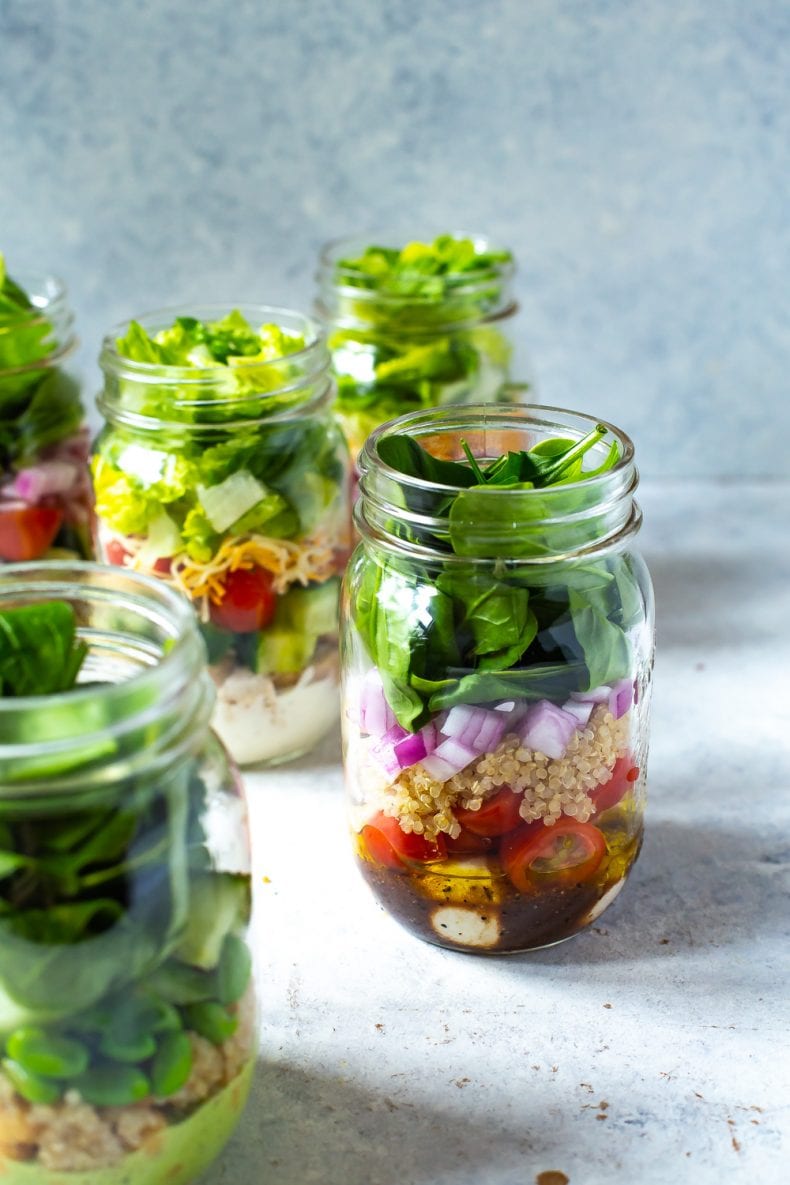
x=565, y=460
x=472, y=459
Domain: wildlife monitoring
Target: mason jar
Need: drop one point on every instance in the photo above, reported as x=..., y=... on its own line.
x=127, y=1011
x=416, y=337
x=45, y=497
x=497, y=655
x=231, y=483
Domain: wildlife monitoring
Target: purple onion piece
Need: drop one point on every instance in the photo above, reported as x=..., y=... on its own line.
x=547, y=729
x=621, y=697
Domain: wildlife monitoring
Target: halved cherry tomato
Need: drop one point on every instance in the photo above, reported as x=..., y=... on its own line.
x=608, y=794
x=566, y=853
x=248, y=603
x=27, y=531
x=498, y=814
x=468, y=844
x=387, y=844
x=115, y=552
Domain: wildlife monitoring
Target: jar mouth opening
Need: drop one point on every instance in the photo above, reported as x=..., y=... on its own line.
x=545, y=524
x=47, y=294
x=149, y=680
x=476, y=417
x=50, y=311
x=309, y=358
x=350, y=286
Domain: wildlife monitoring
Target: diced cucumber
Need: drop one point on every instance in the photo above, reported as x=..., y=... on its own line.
x=312, y=609
x=218, y=642
x=282, y=651
x=227, y=501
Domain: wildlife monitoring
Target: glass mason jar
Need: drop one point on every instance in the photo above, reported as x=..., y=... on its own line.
x=45, y=496
x=127, y=1008
x=232, y=484
x=412, y=339
x=497, y=666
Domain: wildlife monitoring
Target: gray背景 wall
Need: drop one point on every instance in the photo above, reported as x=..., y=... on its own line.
x=634, y=153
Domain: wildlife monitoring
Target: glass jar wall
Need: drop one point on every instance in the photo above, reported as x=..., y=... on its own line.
x=127, y=1012
x=498, y=643
x=222, y=472
x=415, y=325
x=45, y=502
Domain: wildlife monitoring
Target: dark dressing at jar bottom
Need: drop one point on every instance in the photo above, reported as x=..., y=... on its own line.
x=490, y=916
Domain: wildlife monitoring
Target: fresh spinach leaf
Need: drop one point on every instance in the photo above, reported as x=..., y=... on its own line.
x=39, y=652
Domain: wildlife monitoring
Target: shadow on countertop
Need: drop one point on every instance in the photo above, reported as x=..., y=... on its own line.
x=693, y=888
x=307, y=1124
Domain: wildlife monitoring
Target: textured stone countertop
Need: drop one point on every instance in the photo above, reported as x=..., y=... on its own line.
x=650, y=1050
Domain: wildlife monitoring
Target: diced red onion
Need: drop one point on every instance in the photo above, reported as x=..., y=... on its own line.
x=410, y=749
x=620, y=698
x=548, y=729
x=42, y=480
x=376, y=716
x=448, y=758
x=507, y=706
x=596, y=695
x=491, y=732
x=581, y=710
x=384, y=750
x=464, y=722
x=430, y=736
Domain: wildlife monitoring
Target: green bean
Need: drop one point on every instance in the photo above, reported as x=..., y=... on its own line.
x=47, y=1054
x=30, y=1087
x=234, y=970
x=132, y=1048
x=172, y=1065
x=111, y=1084
x=211, y=1020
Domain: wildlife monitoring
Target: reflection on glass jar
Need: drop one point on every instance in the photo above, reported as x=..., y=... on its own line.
x=498, y=646
x=222, y=472
x=420, y=325
x=45, y=497
x=127, y=1009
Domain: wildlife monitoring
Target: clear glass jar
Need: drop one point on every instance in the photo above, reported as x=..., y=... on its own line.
x=413, y=340
x=497, y=666
x=45, y=495
x=127, y=1008
x=232, y=484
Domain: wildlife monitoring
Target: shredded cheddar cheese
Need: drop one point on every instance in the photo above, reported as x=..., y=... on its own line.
x=290, y=562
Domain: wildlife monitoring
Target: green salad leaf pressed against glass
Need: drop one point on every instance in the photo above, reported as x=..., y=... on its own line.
x=39, y=404
x=188, y=493
x=117, y=933
x=416, y=333
x=479, y=633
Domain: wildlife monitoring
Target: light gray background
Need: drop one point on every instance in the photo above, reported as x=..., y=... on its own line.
x=634, y=154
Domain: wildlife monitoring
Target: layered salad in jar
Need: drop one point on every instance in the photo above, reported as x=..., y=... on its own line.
x=127, y=1016
x=45, y=499
x=221, y=472
x=416, y=325
x=497, y=674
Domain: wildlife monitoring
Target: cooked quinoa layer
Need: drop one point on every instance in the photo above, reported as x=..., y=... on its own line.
x=74, y=1136
x=551, y=788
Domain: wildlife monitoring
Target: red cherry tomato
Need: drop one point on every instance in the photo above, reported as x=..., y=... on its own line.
x=27, y=531
x=498, y=814
x=114, y=552
x=608, y=794
x=248, y=602
x=387, y=844
x=468, y=844
x=567, y=853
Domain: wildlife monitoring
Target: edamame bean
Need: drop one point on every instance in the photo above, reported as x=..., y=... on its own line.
x=47, y=1054
x=167, y=1018
x=211, y=1021
x=172, y=1065
x=132, y=1048
x=111, y=1084
x=30, y=1087
x=233, y=972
